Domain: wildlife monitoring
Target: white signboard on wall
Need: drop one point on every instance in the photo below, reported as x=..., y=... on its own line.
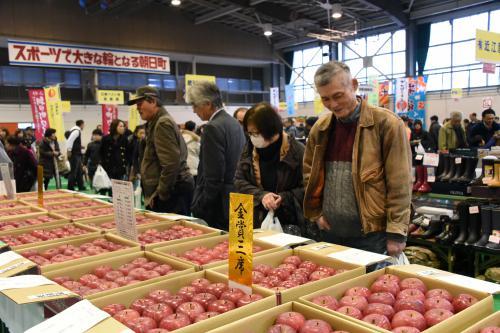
x=274, y=93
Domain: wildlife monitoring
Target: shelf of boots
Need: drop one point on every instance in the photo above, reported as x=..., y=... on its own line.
x=444, y=252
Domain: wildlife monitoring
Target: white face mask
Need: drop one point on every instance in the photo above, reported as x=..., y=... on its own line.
x=258, y=141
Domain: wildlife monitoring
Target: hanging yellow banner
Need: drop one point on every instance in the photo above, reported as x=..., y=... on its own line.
x=52, y=94
x=56, y=122
x=241, y=240
x=113, y=97
x=487, y=46
x=65, y=106
x=456, y=93
x=133, y=115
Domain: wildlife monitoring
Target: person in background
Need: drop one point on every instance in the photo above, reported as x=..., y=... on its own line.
x=420, y=136
x=473, y=118
x=467, y=126
x=406, y=121
x=310, y=121
x=452, y=134
x=137, y=148
x=481, y=133
x=49, y=152
x=222, y=142
x=4, y=133
x=239, y=114
x=75, y=149
x=99, y=127
x=193, y=146
x=165, y=179
x=25, y=165
x=357, y=168
x=19, y=133
x=115, y=151
x=289, y=124
x=434, y=131
x=92, y=156
x=270, y=168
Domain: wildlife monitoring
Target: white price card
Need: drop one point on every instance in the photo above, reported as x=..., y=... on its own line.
x=471, y=283
x=474, y=210
x=431, y=175
x=458, y=160
x=431, y=159
x=8, y=257
x=78, y=318
x=9, y=189
x=419, y=157
x=360, y=257
x=123, y=204
x=24, y=281
x=282, y=239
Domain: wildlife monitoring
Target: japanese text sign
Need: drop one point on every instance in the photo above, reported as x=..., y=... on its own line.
x=123, y=204
x=75, y=56
x=487, y=46
x=133, y=115
x=109, y=113
x=39, y=112
x=241, y=239
x=110, y=97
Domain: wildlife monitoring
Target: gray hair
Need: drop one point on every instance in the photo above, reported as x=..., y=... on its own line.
x=326, y=72
x=202, y=92
x=456, y=115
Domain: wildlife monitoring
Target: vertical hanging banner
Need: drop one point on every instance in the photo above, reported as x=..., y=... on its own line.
x=383, y=94
x=133, y=115
x=109, y=113
x=39, y=112
x=274, y=97
x=290, y=100
x=373, y=95
x=401, y=95
x=54, y=110
x=410, y=97
x=241, y=241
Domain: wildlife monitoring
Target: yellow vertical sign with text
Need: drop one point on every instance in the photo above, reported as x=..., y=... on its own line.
x=54, y=112
x=133, y=115
x=241, y=240
x=488, y=46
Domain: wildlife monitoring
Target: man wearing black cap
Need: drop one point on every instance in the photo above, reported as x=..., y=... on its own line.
x=166, y=181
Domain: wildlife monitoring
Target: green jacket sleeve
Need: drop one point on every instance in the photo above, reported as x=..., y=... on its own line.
x=168, y=152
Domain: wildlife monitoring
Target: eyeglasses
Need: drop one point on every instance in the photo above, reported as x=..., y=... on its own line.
x=254, y=134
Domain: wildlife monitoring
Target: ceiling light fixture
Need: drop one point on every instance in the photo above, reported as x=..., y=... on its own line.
x=336, y=10
x=175, y=2
x=268, y=29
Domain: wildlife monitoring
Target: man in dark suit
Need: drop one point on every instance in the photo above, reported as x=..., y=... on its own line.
x=222, y=142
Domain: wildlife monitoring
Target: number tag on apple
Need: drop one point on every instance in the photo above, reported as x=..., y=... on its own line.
x=431, y=176
x=458, y=160
x=474, y=210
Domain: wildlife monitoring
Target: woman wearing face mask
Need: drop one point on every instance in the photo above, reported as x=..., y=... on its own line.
x=115, y=151
x=270, y=167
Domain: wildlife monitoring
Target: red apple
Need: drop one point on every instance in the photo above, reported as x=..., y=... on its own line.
x=257, y=277
x=150, y=275
x=157, y=311
x=358, y=291
x=413, y=294
x=358, y=302
x=158, y=295
x=281, y=328
x=113, y=275
x=293, y=319
x=289, y=267
x=380, y=308
x=190, y=309
x=221, y=306
x=264, y=269
x=385, y=286
x=413, y=283
x=389, y=277
x=163, y=269
x=204, y=299
x=378, y=320
x=316, y=326
x=217, y=289
x=383, y=297
x=200, y=285
x=113, y=309
x=100, y=271
x=350, y=311
x=142, y=324
x=331, y=271
x=409, y=318
x=174, y=301
x=140, y=304
x=281, y=273
x=294, y=260
x=318, y=275
x=409, y=304
x=439, y=293
x=232, y=294
x=125, y=269
x=205, y=315
x=309, y=265
x=438, y=303
x=326, y=301
x=126, y=316
x=174, y=321
x=405, y=329
x=188, y=292
x=247, y=299
x=463, y=301
x=435, y=316
x=490, y=329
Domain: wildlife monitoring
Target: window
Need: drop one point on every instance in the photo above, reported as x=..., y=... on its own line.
x=33, y=77
x=451, y=60
x=53, y=76
x=305, y=64
x=387, y=51
x=72, y=78
x=12, y=76
x=107, y=80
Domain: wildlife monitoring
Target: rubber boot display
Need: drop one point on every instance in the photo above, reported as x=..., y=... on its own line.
x=459, y=170
x=495, y=182
x=488, y=170
x=463, y=218
x=485, y=226
x=495, y=225
x=424, y=187
x=470, y=171
x=446, y=227
x=443, y=167
x=451, y=169
x=473, y=226
x=419, y=170
x=452, y=234
x=435, y=228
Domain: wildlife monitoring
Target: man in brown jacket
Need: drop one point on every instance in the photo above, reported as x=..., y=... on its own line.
x=166, y=182
x=357, y=168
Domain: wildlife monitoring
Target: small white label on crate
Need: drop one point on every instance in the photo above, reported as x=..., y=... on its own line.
x=494, y=239
x=24, y=281
x=431, y=159
x=419, y=157
x=458, y=160
x=9, y=268
x=359, y=257
x=282, y=239
x=428, y=272
x=8, y=257
x=50, y=294
x=474, y=210
x=319, y=247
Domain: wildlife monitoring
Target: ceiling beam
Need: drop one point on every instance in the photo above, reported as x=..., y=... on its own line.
x=394, y=9
x=216, y=14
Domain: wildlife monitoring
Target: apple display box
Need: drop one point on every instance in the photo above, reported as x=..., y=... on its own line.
x=131, y=247
x=163, y=226
x=51, y=193
x=103, y=223
x=173, y=285
x=55, y=219
x=262, y=321
x=493, y=320
x=24, y=211
x=40, y=228
x=15, y=266
x=172, y=251
x=13, y=204
x=455, y=323
x=81, y=203
x=52, y=199
x=85, y=214
x=293, y=294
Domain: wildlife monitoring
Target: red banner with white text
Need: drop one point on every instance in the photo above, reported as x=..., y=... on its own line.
x=109, y=113
x=39, y=112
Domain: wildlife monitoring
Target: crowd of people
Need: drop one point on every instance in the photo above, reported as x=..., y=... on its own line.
x=344, y=178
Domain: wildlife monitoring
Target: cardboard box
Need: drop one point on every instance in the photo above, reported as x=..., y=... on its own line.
x=280, y=238
x=454, y=324
x=12, y=204
x=58, y=220
x=99, y=221
x=75, y=272
x=81, y=203
x=66, y=197
x=51, y=193
x=173, y=285
x=260, y=322
x=27, y=230
x=132, y=247
x=492, y=320
x=209, y=243
x=293, y=294
x=108, y=325
x=24, y=211
x=161, y=226
x=12, y=265
x=67, y=212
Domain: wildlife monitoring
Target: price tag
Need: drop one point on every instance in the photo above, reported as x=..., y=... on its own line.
x=283, y=239
x=458, y=160
x=123, y=204
x=474, y=210
x=494, y=239
x=319, y=247
x=419, y=157
x=9, y=189
x=359, y=257
x=431, y=176
x=50, y=295
x=431, y=159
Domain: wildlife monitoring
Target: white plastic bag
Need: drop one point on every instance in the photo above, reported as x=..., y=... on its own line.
x=271, y=223
x=399, y=260
x=138, y=196
x=101, y=179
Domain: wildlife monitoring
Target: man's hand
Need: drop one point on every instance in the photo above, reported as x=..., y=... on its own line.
x=394, y=248
x=271, y=201
x=323, y=223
